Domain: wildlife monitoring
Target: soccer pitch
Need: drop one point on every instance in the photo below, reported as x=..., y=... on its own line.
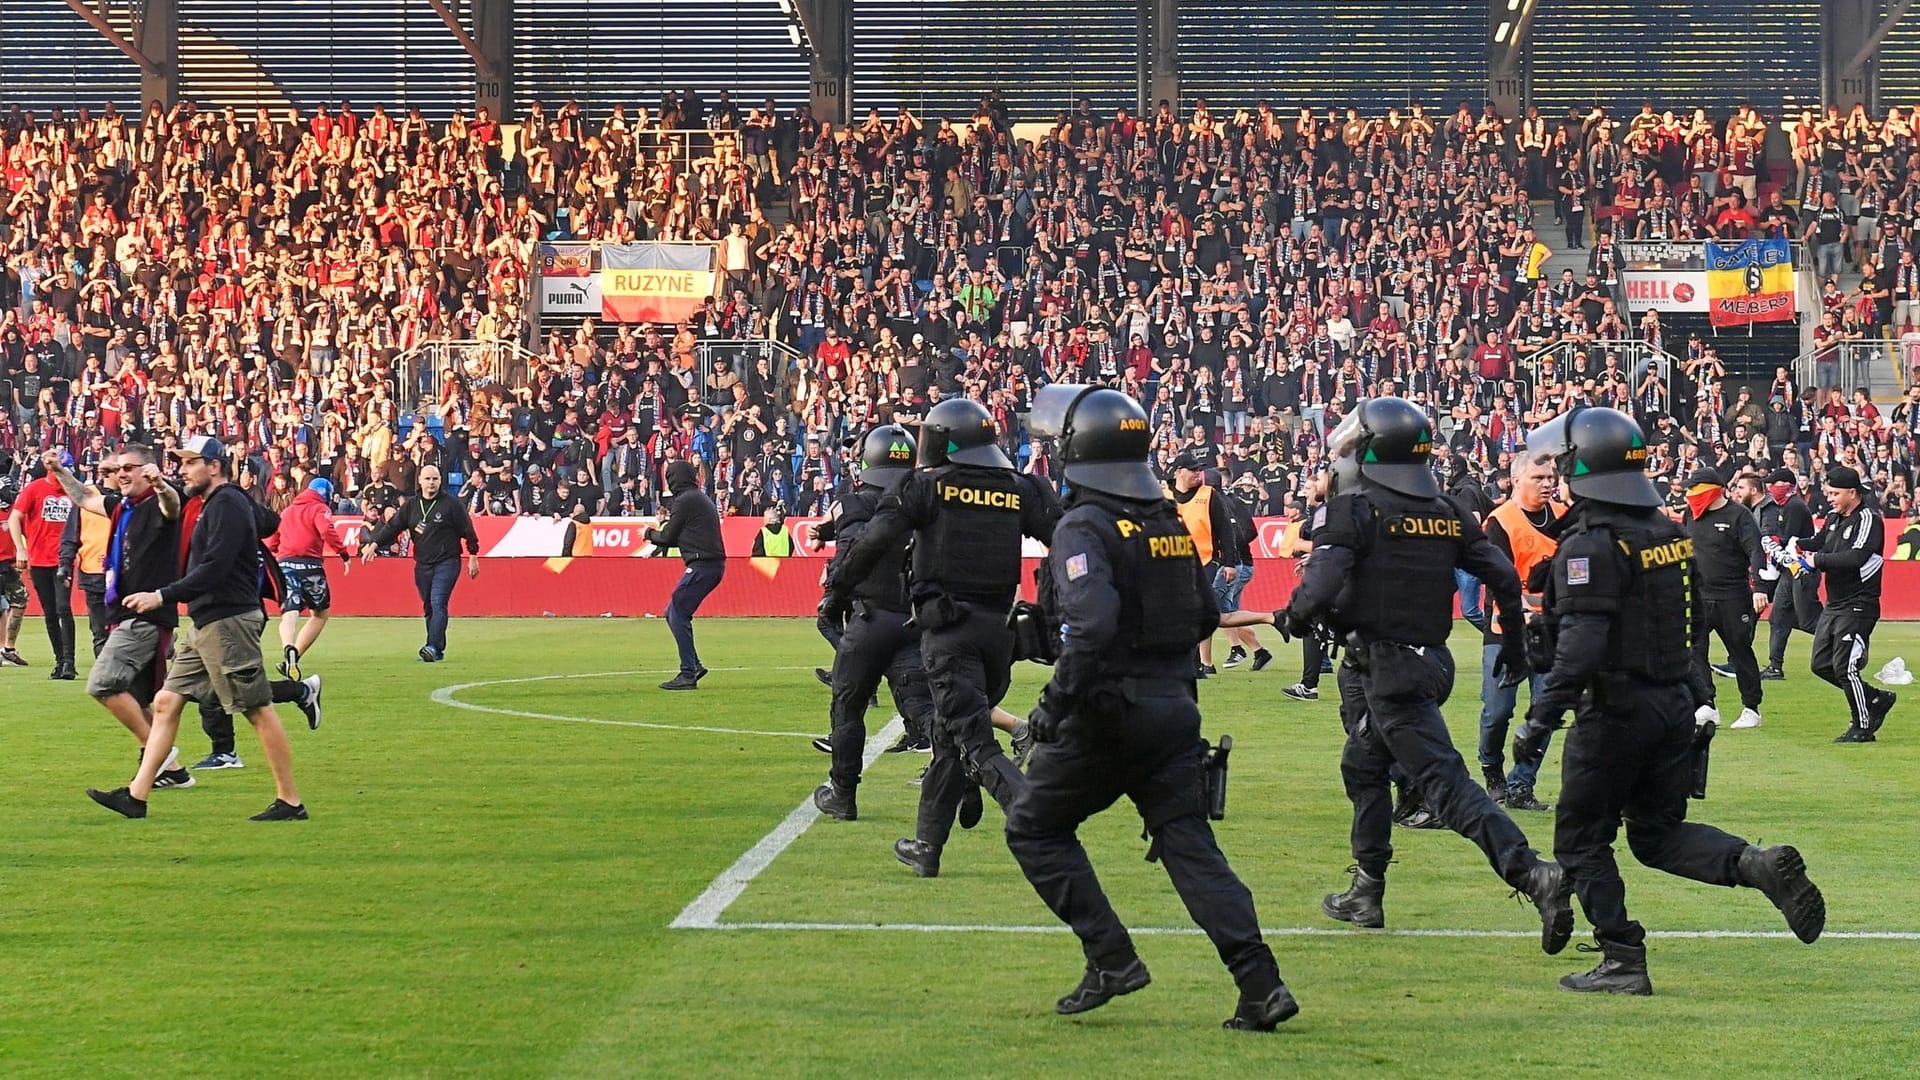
x=529, y=862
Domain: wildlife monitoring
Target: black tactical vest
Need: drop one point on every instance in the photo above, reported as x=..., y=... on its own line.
x=971, y=551
x=1154, y=569
x=885, y=586
x=1402, y=587
x=1650, y=638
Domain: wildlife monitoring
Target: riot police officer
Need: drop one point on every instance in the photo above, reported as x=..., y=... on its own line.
x=966, y=509
x=875, y=641
x=1385, y=546
x=1119, y=716
x=1617, y=612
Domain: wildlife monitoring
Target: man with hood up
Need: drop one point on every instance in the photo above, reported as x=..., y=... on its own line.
x=693, y=526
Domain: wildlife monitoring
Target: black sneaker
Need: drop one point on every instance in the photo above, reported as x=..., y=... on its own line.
x=1208, y=670
x=1725, y=671
x=120, y=801
x=62, y=672
x=427, y=655
x=911, y=744
x=1421, y=818
x=1878, y=707
x=1855, y=734
x=1261, y=658
x=971, y=807
x=835, y=803
x=1235, y=657
x=309, y=703
x=922, y=856
x=1200, y=672
x=824, y=744
x=1266, y=1014
x=1302, y=692
x=1521, y=798
x=281, y=811
x=700, y=672
x=683, y=681
x=174, y=778
x=825, y=677
x=1781, y=874
x=1100, y=985
x=1770, y=673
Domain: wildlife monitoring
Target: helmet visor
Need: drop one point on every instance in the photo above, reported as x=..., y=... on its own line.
x=1051, y=406
x=1346, y=437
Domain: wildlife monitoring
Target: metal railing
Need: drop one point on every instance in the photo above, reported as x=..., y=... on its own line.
x=1634, y=356
x=1849, y=364
x=742, y=354
x=419, y=370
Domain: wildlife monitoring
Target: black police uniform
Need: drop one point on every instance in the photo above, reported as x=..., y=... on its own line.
x=1134, y=602
x=966, y=522
x=875, y=642
x=1728, y=552
x=1377, y=575
x=1847, y=553
x=1120, y=714
x=1617, y=604
x=1796, y=597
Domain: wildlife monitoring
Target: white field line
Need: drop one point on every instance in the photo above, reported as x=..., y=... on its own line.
x=704, y=913
x=1295, y=931
x=445, y=696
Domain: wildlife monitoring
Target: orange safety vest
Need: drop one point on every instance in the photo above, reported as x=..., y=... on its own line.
x=582, y=540
x=1530, y=546
x=1197, y=514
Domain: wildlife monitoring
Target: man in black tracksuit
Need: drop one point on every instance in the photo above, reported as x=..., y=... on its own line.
x=693, y=526
x=966, y=509
x=1730, y=559
x=1119, y=715
x=1784, y=520
x=1382, y=575
x=1615, y=622
x=1848, y=553
x=876, y=641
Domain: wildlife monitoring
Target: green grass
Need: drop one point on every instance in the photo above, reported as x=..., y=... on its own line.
x=488, y=895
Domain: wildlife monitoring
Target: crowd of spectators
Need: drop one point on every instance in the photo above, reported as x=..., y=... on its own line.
x=1248, y=275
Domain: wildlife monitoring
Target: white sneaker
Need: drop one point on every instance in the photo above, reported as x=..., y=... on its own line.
x=1749, y=719
x=1705, y=713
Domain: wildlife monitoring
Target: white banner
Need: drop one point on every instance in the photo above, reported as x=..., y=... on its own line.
x=570, y=295
x=1664, y=290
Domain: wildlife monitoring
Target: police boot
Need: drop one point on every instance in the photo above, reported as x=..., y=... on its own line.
x=1781, y=873
x=1101, y=985
x=1521, y=798
x=835, y=802
x=1263, y=1014
x=922, y=856
x=1360, y=904
x=1547, y=886
x=1496, y=777
x=1622, y=970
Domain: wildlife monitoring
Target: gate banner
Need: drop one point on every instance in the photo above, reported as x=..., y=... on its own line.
x=654, y=282
x=568, y=283
x=1750, y=282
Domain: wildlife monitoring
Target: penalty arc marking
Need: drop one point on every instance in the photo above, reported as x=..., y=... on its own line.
x=445, y=696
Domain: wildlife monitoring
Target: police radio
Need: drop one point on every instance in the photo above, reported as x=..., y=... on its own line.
x=1213, y=776
x=1036, y=629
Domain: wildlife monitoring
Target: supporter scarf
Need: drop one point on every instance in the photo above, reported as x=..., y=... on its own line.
x=116, y=545
x=1702, y=496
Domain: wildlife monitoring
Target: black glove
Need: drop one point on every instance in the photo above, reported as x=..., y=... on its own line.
x=834, y=607
x=1530, y=738
x=1511, y=668
x=1043, y=723
x=1292, y=625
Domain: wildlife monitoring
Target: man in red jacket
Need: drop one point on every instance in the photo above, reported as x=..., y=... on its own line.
x=38, y=517
x=305, y=537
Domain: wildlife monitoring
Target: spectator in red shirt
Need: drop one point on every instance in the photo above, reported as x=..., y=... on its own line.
x=305, y=537
x=38, y=518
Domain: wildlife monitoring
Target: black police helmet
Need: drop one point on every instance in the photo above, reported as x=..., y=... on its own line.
x=1104, y=439
x=961, y=431
x=886, y=457
x=1601, y=453
x=1386, y=441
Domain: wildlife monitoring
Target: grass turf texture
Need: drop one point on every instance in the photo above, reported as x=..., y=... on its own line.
x=488, y=895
